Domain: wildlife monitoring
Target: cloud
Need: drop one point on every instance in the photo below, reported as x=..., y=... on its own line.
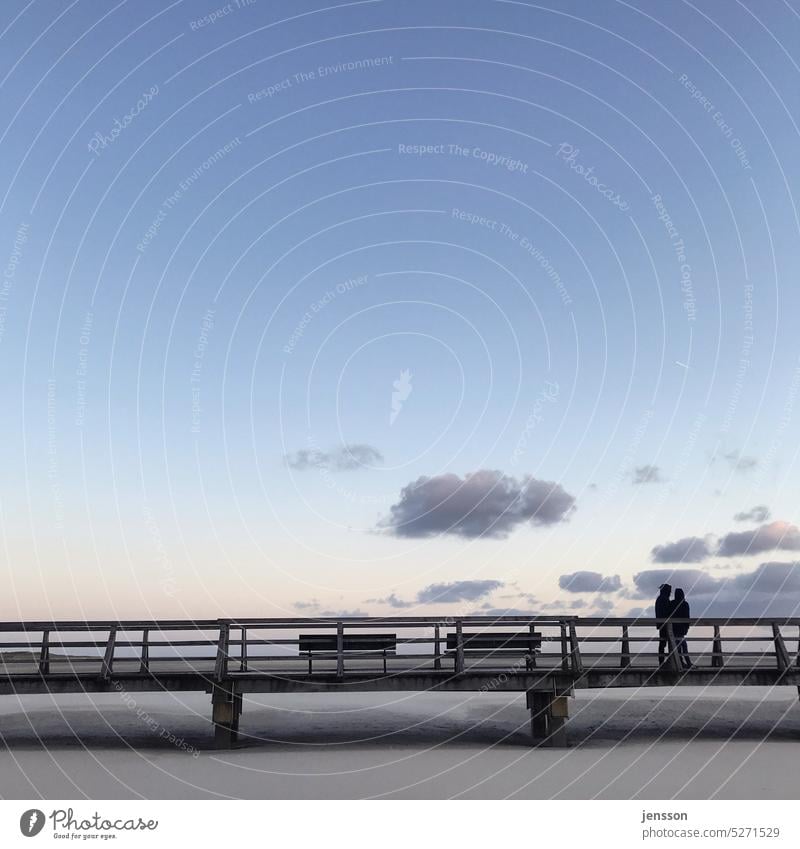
x=561, y=605
x=345, y=458
x=589, y=582
x=448, y=593
x=686, y=550
x=759, y=513
x=528, y=597
x=343, y=613
x=485, y=503
x=774, y=536
x=505, y=611
x=307, y=605
x=647, y=474
x=740, y=462
x=392, y=600
x=457, y=591
x=771, y=589
x=691, y=580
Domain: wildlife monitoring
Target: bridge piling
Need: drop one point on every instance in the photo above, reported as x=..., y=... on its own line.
x=549, y=713
x=226, y=708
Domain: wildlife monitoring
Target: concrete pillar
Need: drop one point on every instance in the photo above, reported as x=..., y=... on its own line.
x=226, y=708
x=539, y=705
x=549, y=714
x=559, y=713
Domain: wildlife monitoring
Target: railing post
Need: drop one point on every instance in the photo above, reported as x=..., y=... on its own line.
x=564, y=652
x=108, y=657
x=798, y=645
x=459, y=647
x=625, y=653
x=781, y=655
x=437, y=648
x=243, y=662
x=340, y=649
x=44, y=656
x=717, y=660
x=531, y=662
x=672, y=658
x=575, y=651
x=221, y=665
x=144, y=665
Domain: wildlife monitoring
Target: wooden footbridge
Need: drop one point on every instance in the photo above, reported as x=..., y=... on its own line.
x=547, y=658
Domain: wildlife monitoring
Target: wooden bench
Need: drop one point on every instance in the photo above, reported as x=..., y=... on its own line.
x=489, y=642
x=365, y=644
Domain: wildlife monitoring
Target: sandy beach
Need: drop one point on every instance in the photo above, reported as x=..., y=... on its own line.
x=684, y=743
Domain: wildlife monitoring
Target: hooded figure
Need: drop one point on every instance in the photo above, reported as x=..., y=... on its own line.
x=663, y=611
x=680, y=610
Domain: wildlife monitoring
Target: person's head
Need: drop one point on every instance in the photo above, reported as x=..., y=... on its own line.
x=665, y=590
x=679, y=594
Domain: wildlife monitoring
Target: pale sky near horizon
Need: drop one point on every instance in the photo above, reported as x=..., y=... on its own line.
x=398, y=307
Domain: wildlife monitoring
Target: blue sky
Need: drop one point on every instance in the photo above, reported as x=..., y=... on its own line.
x=566, y=232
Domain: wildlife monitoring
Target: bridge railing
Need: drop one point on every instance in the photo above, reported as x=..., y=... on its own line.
x=220, y=648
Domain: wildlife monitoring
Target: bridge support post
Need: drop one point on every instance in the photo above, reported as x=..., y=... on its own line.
x=717, y=659
x=549, y=713
x=226, y=708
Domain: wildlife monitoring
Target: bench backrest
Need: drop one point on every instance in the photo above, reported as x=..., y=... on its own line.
x=350, y=642
x=496, y=641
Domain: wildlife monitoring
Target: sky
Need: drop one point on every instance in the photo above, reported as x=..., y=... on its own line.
x=398, y=307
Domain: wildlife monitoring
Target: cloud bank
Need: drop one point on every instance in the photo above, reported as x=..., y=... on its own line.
x=686, y=550
x=589, y=582
x=771, y=589
x=775, y=536
x=486, y=503
x=444, y=593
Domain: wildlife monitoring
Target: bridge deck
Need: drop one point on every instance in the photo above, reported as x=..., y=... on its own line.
x=228, y=658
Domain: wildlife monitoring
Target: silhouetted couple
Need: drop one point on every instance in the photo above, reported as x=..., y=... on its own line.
x=668, y=609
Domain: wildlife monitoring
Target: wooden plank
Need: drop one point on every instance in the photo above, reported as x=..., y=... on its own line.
x=350, y=642
x=488, y=640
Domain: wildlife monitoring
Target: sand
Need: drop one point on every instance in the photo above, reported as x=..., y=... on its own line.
x=722, y=743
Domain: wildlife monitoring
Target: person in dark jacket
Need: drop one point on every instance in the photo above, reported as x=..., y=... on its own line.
x=680, y=610
x=663, y=611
